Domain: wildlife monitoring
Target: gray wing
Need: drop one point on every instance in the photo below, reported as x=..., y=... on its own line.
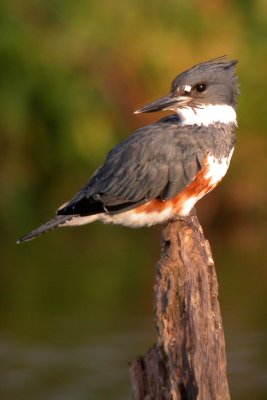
x=157, y=161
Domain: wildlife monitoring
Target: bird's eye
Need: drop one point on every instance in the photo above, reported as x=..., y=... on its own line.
x=201, y=87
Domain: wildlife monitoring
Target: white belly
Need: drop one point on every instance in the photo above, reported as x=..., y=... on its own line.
x=217, y=168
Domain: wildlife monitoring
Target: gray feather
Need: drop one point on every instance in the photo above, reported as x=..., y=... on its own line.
x=157, y=161
x=53, y=223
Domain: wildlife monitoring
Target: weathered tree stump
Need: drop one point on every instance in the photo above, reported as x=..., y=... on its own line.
x=188, y=361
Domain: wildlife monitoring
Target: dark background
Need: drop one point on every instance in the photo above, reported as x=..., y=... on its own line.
x=76, y=304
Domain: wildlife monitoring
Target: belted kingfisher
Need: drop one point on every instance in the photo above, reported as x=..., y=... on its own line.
x=163, y=169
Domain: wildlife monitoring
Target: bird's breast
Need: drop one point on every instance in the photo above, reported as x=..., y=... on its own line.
x=158, y=211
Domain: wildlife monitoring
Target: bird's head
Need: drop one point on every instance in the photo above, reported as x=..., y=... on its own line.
x=205, y=89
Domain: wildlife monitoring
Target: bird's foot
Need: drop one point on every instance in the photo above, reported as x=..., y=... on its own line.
x=190, y=219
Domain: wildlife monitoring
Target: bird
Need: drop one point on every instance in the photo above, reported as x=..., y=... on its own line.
x=161, y=170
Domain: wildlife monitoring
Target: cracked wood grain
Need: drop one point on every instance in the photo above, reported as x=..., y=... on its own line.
x=188, y=361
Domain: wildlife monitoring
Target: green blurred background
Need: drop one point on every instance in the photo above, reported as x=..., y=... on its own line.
x=76, y=304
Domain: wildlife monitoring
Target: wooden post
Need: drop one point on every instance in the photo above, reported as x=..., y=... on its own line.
x=188, y=361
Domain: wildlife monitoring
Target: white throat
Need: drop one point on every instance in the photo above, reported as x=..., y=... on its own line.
x=207, y=115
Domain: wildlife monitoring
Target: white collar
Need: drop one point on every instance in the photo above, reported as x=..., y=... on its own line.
x=207, y=115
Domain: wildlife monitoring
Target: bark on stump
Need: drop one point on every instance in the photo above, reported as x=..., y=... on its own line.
x=188, y=361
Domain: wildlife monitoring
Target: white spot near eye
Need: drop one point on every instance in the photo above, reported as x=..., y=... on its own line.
x=187, y=88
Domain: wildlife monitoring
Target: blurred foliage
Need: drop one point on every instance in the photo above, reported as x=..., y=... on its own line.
x=71, y=75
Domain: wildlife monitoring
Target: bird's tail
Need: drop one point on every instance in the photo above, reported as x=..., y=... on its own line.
x=53, y=223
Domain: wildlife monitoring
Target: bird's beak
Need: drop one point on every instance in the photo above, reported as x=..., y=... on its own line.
x=165, y=103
